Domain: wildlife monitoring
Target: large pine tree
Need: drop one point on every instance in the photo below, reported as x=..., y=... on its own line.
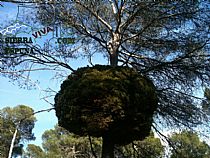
x=165, y=41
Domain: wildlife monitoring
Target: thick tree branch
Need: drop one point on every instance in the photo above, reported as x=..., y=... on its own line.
x=95, y=14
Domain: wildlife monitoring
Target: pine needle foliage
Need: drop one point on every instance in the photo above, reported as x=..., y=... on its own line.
x=105, y=100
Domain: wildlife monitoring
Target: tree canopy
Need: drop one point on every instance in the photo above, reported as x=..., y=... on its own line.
x=34, y=151
x=5, y=135
x=59, y=142
x=21, y=118
x=150, y=147
x=107, y=102
x=188, y=145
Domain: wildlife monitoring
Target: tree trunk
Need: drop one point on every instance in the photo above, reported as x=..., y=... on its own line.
x=107, y=147
x=114, y=59
x=12, y=143
x=113, y=46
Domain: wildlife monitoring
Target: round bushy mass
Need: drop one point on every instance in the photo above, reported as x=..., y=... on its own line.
x=116, y=102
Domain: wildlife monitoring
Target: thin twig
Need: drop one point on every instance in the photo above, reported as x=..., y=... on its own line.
x=165, y=138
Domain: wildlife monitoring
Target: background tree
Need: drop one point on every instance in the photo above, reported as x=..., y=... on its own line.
x=188, y=145
x=18, y=118
x=34, y=151
x=6, y=132
x=150, y=147
x=22, y=117
x=58, y=142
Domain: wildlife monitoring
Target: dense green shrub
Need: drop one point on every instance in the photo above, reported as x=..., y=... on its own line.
x=102, y=100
